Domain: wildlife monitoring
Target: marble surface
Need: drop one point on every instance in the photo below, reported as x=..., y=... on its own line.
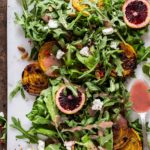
x=19, y=107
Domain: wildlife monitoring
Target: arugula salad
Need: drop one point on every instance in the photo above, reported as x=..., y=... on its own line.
x=83, y=51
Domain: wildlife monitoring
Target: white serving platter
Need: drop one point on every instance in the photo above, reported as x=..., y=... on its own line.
x=19, y=107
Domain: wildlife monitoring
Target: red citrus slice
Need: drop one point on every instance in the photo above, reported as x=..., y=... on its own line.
x=136, y=13
x=67, y=102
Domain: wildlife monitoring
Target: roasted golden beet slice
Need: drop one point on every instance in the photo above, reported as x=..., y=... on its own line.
x=33, y=79
x=128, y=50
x=47, y=59
x=128, y=57
x=77, y=4
x=127, y=140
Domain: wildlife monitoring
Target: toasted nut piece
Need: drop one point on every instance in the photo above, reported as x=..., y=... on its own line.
x=33, y=79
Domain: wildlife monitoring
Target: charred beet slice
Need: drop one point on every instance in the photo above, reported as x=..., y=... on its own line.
x=33, y=79
x=68, y=101
x=128, y=63
x=136, y=12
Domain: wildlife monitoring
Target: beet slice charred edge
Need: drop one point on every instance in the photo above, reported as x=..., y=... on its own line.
x=33, y=79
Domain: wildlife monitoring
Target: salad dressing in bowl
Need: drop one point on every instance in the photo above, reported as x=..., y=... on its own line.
x=140, y=98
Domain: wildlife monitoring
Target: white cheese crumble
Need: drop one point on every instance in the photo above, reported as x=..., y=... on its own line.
x=53, y=24
x=60, y=54
x=41, y=145
x=85, y=51
x=114, y=45
x=97, y=104
x=69, y=144
x=1, y=114
x=108, y=31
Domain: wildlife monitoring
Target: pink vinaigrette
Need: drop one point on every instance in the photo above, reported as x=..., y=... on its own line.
x=140, y=96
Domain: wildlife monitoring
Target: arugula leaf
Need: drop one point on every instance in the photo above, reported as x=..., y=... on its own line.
x=47, y=132
x=146, y=54
x=49, y=99
x=146, y=69
x=107, y=140
x=89, y=61
x=25, y=134
x=17, y=89
x=53, y=147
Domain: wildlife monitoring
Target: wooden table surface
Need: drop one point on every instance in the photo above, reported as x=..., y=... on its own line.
x=3, y=58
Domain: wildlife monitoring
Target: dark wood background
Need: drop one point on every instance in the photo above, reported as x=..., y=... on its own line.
x=3, y=58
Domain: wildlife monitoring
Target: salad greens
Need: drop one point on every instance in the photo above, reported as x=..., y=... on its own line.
x=3, y=128
x=73, y=31
x=146, y=69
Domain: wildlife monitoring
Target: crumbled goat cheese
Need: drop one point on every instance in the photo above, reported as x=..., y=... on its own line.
x=114, y=45
x=97, y=104
x=85, y=51
x=108, y=31
x=69, y=144
x=41, y=145
x=1, y=114
x=59, y=54
x=52, y=24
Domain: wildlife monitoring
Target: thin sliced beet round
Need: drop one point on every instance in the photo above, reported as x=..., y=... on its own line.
x=136, y=12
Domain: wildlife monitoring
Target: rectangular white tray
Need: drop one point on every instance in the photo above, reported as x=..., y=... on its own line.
x=19, y=107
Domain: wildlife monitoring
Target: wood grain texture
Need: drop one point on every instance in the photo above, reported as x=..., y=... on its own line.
x=3, y=59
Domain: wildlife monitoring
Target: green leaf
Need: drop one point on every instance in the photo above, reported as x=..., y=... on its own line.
x=144, y=53
x=107, y=140
x=49, y=99
x=146, y=69
x=92, y=87
x=89, y=61
x=16, y=90
x=47, y=132
x=53, y=147
x=25, y=134
x=40, y=120
x=119, y=68
x=73, y=89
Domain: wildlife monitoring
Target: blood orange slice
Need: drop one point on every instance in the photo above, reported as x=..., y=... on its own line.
x=67, y=102
x=136, y=13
